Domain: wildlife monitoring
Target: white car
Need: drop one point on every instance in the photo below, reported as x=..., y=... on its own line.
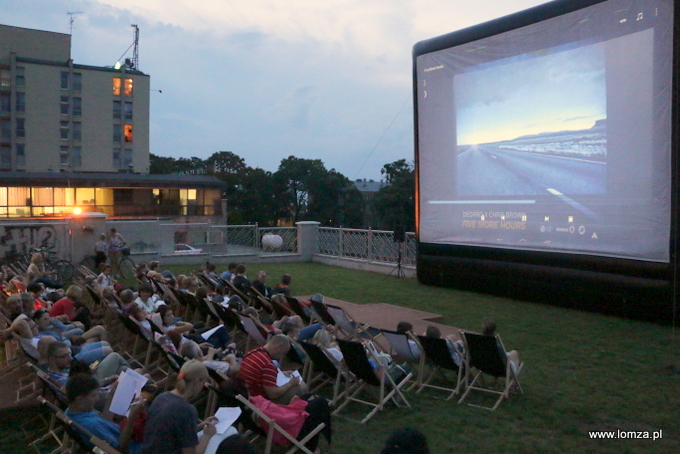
x=186, y=249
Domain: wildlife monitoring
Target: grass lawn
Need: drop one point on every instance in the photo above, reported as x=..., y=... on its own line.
x=583, y=372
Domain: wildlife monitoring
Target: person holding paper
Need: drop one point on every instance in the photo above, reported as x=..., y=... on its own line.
x=82, y=393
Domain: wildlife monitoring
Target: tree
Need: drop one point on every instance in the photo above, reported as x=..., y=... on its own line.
x=295, y=177
x=394, y=204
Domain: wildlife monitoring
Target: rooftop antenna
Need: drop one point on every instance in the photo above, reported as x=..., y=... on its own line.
x=71, y=20
x=135, y=50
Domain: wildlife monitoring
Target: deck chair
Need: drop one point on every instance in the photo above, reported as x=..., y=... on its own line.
x=328, y=370
x=280, y=310
x=487, y=355
x=403, y=350
x=357, y=359
x=254, y=333
x=350, y=327
x=83, y=438
x=297, y=307
x=436, y=354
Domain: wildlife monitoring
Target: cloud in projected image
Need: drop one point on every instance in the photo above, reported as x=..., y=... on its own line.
x=529, y=94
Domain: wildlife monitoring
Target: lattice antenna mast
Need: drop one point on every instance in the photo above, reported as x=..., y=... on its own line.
x=135, y=50
x=71, y=20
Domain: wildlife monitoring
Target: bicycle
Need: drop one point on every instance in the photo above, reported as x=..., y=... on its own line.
x=62, y=269
x=126, y=265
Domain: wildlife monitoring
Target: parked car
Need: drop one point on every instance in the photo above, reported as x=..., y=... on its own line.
x=186, y=249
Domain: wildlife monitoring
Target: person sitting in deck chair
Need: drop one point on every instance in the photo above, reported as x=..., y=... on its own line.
x=489, y=329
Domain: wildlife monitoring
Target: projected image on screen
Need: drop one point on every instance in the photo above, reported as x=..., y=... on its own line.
x=533, y=125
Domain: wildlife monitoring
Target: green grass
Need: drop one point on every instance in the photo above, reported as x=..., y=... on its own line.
x=584, y=372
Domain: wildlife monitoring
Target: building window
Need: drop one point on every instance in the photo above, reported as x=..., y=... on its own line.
x=76, y=160
x=116, y=158
x=128, y=87
x=20, y=78
x=63, y=155
x=127, y=158
x=5, y=103
x=77, y=106
x=21, y=102
x=128, y=133
x=63, y=130
x=116, y=133
x=77, y=131
x=128, y=111
x=5, y=157
x=116, y=109
x=6, y=129
x=21, y=154
x=77, y=82
x=21, y=127
x=5, y=78
x=64, y=80
x=63, y=105
x=116, y=86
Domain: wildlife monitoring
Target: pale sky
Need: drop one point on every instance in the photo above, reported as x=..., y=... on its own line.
x=267, y=79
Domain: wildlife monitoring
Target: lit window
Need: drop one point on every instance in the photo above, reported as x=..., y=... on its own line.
x=128, y=111
x=77, y=106
x=21, y=127
x=63, y=130
x=116, y=86
x=6, y=129
x=77, y=131
x=128, y=87
x=76, y=160
x=116, y=133
x=20, y=79
x=116, y=158
x=63, y=106
x=21, y=154
x=77, y=82
x=21, y=102
x=116, y=109
x=128, y=133
x=5, y=103
x=64, y=80
x=5, y=157
x=63, y=155
x=5, y=78
x=127, y=158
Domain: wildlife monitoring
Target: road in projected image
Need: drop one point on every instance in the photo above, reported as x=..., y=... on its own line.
x=489, y=170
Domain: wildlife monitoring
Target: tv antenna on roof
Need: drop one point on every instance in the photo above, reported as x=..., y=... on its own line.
x=72, y=20
x=135, y=50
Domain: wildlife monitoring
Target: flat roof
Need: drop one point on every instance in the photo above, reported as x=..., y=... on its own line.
x=108, y=180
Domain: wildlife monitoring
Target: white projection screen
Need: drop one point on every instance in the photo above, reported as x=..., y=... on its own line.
x=549, y=132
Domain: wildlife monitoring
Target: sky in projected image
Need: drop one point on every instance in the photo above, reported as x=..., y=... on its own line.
x=529, y=94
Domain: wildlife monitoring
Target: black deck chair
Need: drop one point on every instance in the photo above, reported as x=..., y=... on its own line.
x=281, y=310
x=297, y=307
x=96, y=299
x=328, y=371
x=437, y=355
x=487, y=354
x=50, y=389
x=321, y=312
x=357, y=360
x=83, y=438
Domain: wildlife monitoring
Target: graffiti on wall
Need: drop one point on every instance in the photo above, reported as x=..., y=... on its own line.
x=17, y=240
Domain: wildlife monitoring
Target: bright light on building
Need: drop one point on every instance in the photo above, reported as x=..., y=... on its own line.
x=77, y=210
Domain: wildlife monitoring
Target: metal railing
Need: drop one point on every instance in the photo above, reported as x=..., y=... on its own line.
x=369, y=245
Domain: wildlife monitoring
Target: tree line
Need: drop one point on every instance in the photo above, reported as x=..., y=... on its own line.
x=302, y=190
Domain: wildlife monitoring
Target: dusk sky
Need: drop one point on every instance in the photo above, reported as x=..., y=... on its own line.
x=267, y=79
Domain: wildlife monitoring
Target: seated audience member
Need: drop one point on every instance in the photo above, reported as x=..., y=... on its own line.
x=104, y=278
x=82, y=391
x=141, y=317
x=240, y=280
x=259, y=284
x=170, y=323
x=282, y=287
x=324, y=339
x=172, y=422
x=407, y=328
x=489, y=329
x=22, y=327
x=147, y=300
x=455, y=346
x=36, y=272
x=66, y=305
x=406, y=441
x=226, y=365
x=106, y=371
x=231, y=269
x=235, y=444
x=127, y=300
x=37, y=289
x=48, y=326
x=259, y=372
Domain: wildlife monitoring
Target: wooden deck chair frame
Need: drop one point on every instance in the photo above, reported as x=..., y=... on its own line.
x=298, y=445
x=329, y=370
x=357, y=360
x=401, y=348
x=436, y=354
x=298, y=308
x=254, y=334
x=78, y=434
x=351, y=328
x=483, y=353
x=53, y=430
x=319, y=311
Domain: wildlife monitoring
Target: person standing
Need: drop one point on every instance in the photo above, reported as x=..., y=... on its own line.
x=100, y=248
x=115, y=248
